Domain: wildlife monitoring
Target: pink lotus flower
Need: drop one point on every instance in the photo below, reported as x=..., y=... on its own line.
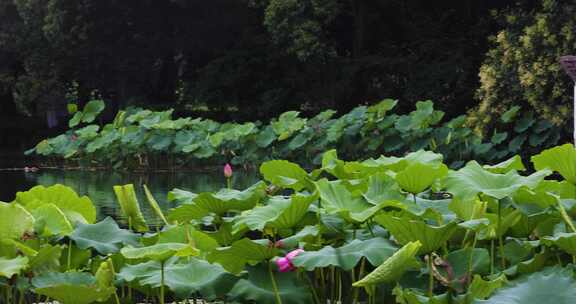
x=228, y=171
x=285, y=263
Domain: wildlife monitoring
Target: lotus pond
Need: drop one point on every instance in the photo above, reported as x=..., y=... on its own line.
x=98, y=186
x=386, y=230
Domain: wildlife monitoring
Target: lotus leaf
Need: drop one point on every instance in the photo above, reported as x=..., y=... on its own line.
x=553, y=285
x=46, y=259
x=10, y=267
x=15, y=221
x=231, y=200
x=71, y=288
x=154, y=205
x=235, y=257
x=417, y=177
x=77, y=209
x=375, y=250
x=406, y=231
x=279, y=213
x=561, y=159
x=285, y=174
x=512, y=164
x=337, y=199
x=106, y=237
x=50, y=220
x=186, y=213
x=473, y=179
x=394, y=267
x=184, y=278
x=159, y=252
x=128, y=201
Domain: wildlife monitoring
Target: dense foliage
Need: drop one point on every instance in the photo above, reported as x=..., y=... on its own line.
x=227, y=54
x=405, y=230
x=522, y=68
x=144, y=139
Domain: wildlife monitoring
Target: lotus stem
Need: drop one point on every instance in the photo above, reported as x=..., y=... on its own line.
x=313, y=289
x=274, y=285
x=500, y=233
x=430, y=277
x=492, y=256
x=471, y=257
x=69, y=259
x=566, y=217
x=162, y=282
x=229, y=183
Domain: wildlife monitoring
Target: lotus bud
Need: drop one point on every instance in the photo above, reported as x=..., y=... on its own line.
x=228, y=171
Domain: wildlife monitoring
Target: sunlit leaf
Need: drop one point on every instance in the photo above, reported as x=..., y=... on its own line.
x=128, y=201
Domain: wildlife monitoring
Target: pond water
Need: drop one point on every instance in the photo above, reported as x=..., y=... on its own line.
x=98, y=186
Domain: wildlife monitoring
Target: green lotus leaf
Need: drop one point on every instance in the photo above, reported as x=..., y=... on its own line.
x=482, y=289
x=106, y=138
x=394, y=267
x=383, y=188
x=468, y=210
x=77, y=209
x=541, y=199
x=88, y=132
x=287, y=124
x=258, y=288
x=46, y=259
x=280, y=212
x=307, y=233
x=375, y=250
x=92, y=109
x=10, y=267
x=285, y=174
x=160, y=140
x=406, y=231
x=105, y=274
x=231, y=200
x=335, y=166
x=561, y=159
x=184, y=278
x=476, y=259
x=415, y=296
x=417, y=177
x=71, y=288
x=128, y=201
x=186, y=213
x=50, y=220
x=473, y=179
x=235, y=257
x=106, y=237
x=337, y=199
x=154, y=205
x=159, y=252
x=564, y=241
x=265, y=137
x=512, y=164
x=563, y=189
x=509, y=218
x=15, y=221
x=186, y=234
x=11, y=247
x=553, y=285
x=75, y=120
x=181, y=196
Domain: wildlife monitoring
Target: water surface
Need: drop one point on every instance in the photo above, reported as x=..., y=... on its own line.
x=98, y=186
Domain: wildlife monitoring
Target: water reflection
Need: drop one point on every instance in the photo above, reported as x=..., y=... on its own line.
x=98, y=186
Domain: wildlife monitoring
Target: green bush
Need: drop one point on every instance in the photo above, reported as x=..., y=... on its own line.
x=522, y=68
